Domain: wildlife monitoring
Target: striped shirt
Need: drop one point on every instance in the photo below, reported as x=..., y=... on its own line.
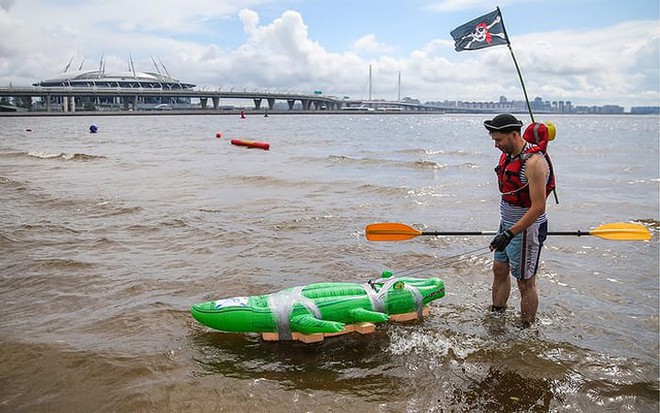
x=511, y=214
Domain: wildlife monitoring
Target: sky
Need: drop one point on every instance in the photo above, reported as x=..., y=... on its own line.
x=589, y=52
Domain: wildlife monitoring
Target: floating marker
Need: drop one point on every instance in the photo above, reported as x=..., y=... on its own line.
x=93, y=128
x=251, y=144
x=218, y=135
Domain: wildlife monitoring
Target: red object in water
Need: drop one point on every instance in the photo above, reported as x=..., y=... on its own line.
x=218, y=135
x=251, y=144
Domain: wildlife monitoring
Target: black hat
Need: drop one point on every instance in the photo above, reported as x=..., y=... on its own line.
x=503, y=123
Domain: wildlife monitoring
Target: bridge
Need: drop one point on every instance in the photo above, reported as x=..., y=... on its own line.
x=64, y=98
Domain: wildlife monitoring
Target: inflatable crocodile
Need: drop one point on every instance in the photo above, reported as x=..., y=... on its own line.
x=326, y=308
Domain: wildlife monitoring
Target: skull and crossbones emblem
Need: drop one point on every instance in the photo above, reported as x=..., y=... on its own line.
x=482, y=33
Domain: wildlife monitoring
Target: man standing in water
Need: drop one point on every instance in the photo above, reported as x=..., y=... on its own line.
x=524, y=179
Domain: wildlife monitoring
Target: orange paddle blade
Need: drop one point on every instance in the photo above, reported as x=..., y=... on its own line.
x=390, y=231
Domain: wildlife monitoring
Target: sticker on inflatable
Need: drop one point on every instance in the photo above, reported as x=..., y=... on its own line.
x=232, y=302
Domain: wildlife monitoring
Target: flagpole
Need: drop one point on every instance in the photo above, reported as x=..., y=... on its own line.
x=515, y=62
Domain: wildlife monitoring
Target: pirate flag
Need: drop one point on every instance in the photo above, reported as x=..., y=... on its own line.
x=485, y=31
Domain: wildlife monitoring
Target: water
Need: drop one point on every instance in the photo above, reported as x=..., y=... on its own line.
x=108, y=238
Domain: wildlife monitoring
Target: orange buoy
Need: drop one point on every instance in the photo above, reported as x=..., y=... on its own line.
x=251, y=144
x=218, y=135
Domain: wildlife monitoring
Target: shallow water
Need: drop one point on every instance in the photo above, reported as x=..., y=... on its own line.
x=108, y=238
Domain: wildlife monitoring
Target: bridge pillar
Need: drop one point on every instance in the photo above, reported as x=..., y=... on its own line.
x=305, y=104
x=271, y=103
x=72, y=104
x=216, y=102
x=65, y=104
x=257, y=103
x=202, y=101
x=290, y=102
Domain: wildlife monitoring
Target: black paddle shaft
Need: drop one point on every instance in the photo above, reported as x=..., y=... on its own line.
x=459, y=233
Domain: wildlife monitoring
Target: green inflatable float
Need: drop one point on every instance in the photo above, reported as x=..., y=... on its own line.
x=311, y=312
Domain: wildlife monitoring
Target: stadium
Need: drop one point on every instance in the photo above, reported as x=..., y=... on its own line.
x=159, y=80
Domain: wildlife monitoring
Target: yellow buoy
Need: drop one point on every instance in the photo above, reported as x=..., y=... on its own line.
x=552, y=131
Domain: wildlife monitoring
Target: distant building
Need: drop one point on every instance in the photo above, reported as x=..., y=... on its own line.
x=599, y=110
x=645, y=110
x=410, y=100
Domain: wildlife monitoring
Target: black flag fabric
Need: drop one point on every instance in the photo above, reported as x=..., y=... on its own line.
x=484, y=31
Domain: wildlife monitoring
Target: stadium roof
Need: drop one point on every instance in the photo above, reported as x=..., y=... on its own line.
x=99, y=78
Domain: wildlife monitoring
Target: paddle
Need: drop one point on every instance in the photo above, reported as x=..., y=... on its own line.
x=619, y=231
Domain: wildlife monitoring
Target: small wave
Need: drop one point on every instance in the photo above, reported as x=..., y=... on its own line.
x=62, y=264
x=400, y=163
x=644, y=181
x=211, y=210
x=116, y=211
x=420, y=151
x=6, y=241
x=366, y=161
x=428, y=192
x=258, y=179
x=463, y=152
x=12, y=154
x=45, y=226
x=649, y=223
x=268, y=181
x=4, y=180
x=103, y=242
x=428, y=165
x=65, y=156
x=419, y=164
x=385, y=191
x=339, y=157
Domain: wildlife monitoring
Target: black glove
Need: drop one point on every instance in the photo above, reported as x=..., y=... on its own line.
x=501, y=240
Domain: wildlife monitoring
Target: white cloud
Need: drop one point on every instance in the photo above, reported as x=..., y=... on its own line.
x=369, y=44
x=250, y=20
